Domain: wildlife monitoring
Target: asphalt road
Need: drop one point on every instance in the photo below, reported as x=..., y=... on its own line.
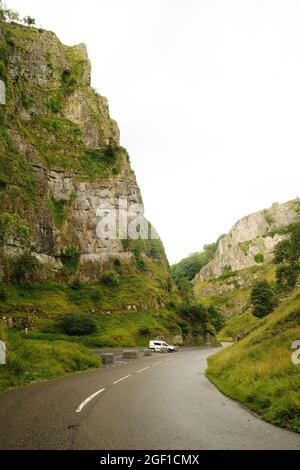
x=161, y=402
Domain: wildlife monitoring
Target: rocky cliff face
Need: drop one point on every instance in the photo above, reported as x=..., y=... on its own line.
x=251, y=241
x=60, y=157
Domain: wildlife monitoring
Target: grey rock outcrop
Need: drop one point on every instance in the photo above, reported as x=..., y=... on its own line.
x=59, y=131
x=251, y=240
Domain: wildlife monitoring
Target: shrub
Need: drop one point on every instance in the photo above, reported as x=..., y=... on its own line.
x=144, y=331
x=139, y=260
x=109, y=278
x=216, y=318
x=70, y=258
x=74, y=324
x=196, y=313
x=185, y=289
x=259, y=258
x=26, y=269
x=263, y=299
x=117, y=265
x=227, y=273
x=76, y=284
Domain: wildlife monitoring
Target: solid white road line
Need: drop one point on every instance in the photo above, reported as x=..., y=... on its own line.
x=123, y=378
x=85, y=402
x=142, y=370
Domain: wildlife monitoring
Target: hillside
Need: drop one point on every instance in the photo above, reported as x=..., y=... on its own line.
x=243, y=257
x=251, y=241
x=259, y=372
x=66, y=188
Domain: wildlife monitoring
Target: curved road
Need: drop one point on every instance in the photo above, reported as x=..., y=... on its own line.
x=161, y=402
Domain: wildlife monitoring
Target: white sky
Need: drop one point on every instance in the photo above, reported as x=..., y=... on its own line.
x=207, y=97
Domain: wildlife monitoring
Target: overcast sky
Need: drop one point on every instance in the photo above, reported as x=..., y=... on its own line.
x=207, y=97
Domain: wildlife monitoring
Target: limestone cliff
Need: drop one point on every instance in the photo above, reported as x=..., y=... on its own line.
x=251, y=241
x=60, y=157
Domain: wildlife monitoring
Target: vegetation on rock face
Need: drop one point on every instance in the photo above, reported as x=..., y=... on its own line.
x=70, y=258
x=26, y=269
x=259, y=258
x=287, y=259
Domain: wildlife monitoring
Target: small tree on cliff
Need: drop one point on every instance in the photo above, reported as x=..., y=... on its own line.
x=263, y=299
x=29, y=21
x=287, y=258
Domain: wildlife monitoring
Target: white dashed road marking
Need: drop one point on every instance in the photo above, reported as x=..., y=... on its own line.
x=116, y=382
x=123, y=378
x=142, y=370
x=85, y=402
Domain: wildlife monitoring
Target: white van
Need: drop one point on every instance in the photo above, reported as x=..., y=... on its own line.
x=160, y=346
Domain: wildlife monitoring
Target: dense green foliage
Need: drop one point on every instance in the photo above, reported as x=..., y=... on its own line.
x=216, y=317
x=201, y=320
x=74, y=324
x=185, y=289
x=259, y=258
x=227, y=273
x=287, y=259
x=26, y=269
x=263, y=299
x=70, y=258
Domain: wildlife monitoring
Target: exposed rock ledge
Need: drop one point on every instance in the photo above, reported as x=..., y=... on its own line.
x=253, y=235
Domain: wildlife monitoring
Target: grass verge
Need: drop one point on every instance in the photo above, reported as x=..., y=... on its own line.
x=36, y=360
x=258, y=371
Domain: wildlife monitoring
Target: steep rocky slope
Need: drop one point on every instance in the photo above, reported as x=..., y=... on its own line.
x=251, y=241
x=62, y=172
x=243, y=257
x=60, y=155
x=60, y=161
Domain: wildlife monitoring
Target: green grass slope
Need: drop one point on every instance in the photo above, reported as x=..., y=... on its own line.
x=32, y=361
x=258, y=371
x=238, y=327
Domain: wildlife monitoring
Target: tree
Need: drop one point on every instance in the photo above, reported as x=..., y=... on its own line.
x=263, y=299
x=216, y=317
x=287, y=259
x=195, y=313
x=185, y=289
x=29, y=21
